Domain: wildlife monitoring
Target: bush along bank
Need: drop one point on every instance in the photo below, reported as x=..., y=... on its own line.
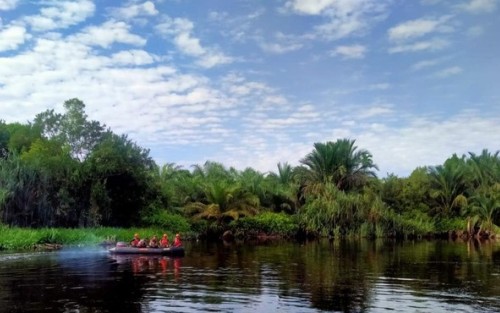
x=15, y=238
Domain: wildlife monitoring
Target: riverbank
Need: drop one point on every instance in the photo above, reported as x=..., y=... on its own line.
x=15, y=238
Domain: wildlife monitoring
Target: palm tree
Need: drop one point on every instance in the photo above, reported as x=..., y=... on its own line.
x=177, y=185
x=252, y=181
x=223, y=200
x=285, y=174
x=448, y=185
x=284, y=188
x=339, y=163
x=211, y=171
x=485, y=168
x=485, y=206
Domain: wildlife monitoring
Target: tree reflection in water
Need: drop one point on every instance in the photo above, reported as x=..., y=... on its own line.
x=340, y=276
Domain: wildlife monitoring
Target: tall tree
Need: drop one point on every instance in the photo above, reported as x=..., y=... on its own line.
x=340, y=163
x=485, y=168
x=120, y=173
x=72, y=128
x=4, y=140
x=484, y=206
x=448, y=186
x=284, y=188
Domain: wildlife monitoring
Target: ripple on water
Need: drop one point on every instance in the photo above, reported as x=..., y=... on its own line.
x=389, y=295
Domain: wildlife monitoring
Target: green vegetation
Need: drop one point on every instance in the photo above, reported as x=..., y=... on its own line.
x=64, y=171
x=267, y=223
x=16, y=238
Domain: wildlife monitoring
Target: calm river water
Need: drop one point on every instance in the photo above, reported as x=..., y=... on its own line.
x=319, y=276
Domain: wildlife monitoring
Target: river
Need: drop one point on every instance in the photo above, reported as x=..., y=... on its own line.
x=317, y=276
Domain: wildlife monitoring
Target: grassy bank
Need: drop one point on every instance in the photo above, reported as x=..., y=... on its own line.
x=14, y=238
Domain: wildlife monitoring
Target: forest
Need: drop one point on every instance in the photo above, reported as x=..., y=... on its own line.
x=64, y=170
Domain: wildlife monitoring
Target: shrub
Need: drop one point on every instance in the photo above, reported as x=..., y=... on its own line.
x=408, y=223
x=168, y=221
x=450, y=224
x=269, y=223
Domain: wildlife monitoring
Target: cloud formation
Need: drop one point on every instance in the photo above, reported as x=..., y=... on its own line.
x=60, y=14
x=260, y=84
x=350, y=52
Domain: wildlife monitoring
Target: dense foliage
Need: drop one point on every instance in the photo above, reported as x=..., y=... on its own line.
x=63, y=170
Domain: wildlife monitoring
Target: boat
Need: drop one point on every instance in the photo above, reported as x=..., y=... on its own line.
x=171, y=251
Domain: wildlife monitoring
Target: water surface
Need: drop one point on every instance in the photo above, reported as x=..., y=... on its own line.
x=319, y=276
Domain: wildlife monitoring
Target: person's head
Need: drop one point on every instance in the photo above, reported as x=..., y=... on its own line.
x=165, y=236
x=136, y=235
x=154, y=237
x=177, y=236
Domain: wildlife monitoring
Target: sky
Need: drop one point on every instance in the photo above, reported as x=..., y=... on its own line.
x=251, y=83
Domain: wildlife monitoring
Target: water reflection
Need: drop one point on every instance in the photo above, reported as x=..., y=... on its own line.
x=148, y=264
x=338, y=276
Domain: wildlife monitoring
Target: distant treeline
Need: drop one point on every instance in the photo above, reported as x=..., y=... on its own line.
x=62, y=170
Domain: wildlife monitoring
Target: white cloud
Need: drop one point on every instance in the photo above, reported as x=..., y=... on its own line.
x=107, y=34
x=181, y=29
x=310, y=7
x=418, y=28
x=188, y=44
x=344, y=17
x=479, y=6
x=425, y=142
x=425, y=64
x=12, y=37
x=60, y=14
x=450, y=71
x=427, y=45
x=278, y=48
x=374, y=111
x=350, y=52
x=400, y=150
x=133, y=57
x=280, y=43
x=257, y=115
x=144, y=9
x=8, y=4
x=213, y=58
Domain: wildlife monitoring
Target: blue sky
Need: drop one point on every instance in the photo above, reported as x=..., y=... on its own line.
x=254, y=83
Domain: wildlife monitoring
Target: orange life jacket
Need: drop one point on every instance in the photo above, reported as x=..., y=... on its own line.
x=164, y=242
x=177, y=242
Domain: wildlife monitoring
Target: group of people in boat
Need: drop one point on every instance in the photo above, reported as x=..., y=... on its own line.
x=154, y=242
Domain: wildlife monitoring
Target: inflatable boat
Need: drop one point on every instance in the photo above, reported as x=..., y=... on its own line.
x=173, y=251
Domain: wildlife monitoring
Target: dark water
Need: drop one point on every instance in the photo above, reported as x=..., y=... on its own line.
x=343, y=276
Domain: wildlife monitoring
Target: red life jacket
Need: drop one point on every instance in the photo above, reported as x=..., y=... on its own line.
x=164, y=242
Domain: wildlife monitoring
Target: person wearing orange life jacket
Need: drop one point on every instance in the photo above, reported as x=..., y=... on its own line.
x=135, y=241
x=177, y=241
x=143, y=243
x=153, y=243
x=164, y=241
